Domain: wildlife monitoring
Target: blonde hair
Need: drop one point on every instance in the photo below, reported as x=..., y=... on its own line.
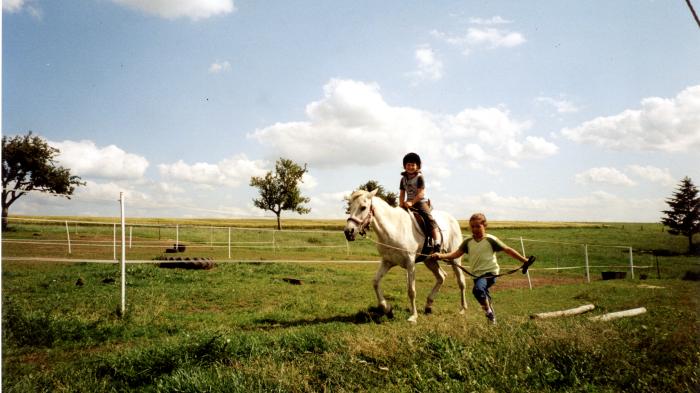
x=480, y=217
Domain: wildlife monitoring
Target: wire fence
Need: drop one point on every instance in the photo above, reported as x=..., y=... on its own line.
x=94, y=241
x=131, y=242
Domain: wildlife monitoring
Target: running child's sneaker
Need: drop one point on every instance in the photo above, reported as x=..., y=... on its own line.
x=491, y=317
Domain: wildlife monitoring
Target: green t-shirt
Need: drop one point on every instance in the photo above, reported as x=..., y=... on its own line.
x=482, y=254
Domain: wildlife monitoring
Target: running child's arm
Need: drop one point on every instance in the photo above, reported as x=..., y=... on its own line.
x=453, y=255
x=514, y=254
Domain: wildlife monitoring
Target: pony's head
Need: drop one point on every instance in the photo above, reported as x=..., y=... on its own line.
x=360, y=213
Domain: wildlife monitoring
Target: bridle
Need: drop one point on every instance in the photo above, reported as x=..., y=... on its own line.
x=363, y=224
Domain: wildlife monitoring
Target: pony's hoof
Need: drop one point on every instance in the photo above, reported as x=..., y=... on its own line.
x=462, y=311
x=413, y=319
x=428, y=310
x=388, y=311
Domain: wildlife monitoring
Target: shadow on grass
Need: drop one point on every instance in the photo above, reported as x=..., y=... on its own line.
x=371, y=315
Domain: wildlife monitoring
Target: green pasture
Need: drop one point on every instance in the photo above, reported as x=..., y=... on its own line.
x=242, y=327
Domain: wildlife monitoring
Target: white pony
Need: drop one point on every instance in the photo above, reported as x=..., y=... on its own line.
x=400, y=240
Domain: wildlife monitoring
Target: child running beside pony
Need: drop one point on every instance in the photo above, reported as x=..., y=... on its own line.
x=481, y=249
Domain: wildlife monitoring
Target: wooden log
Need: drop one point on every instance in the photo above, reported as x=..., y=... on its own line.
x=563, y=313
x=293, y=281
x=619, y=314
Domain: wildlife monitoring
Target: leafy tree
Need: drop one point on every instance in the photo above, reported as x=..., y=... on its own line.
x=28, y=165
x=389, y=197
x=280, y=190
x=683, y=217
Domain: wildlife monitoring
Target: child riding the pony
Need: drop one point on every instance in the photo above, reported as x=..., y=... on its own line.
x=412, y=195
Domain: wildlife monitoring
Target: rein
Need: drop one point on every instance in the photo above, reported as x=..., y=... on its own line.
x=364, y=224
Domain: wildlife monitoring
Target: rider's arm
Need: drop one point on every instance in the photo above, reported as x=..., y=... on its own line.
x=419, y=196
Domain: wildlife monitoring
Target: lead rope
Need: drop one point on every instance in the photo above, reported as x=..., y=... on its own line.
x=524, y=266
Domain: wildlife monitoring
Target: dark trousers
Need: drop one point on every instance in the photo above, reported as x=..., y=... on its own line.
x=424, y=209
x=481, y=288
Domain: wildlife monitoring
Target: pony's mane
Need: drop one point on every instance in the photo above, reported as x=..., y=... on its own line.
x=357, y=194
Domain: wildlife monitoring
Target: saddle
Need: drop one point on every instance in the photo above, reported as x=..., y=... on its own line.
x=422, y=223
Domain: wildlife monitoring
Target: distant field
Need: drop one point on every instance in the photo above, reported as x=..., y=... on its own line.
x=299, y=223
x=242, y=327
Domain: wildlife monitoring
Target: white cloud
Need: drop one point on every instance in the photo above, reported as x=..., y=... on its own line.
x=429, y=67
x=308, y=182
x=173, y=9
x=489, y=135
x=653, y=174
x=604, y=175
x=493, y=38
x=218, y=67
x=103, y=192
x=84, y=158
x=495, y=20
x=328, y=205
x=229, y=172
x=560, y=105
x=353, y=125
x=15, y=6
x=668, y=125
x=537, y=147
x=483, y=36
x=597, y=206
x=12, y=5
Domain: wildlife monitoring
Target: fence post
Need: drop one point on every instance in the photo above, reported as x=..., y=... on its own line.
x=68, y=234
x=130, y=235
x=177, y=236
x=631, y=263
x=588, y=272
x=274, y=247
x=522, y=245
x=229, y=242
x=114, y=242
x=123, y=262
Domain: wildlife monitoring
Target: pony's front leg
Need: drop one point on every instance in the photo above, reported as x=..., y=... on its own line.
x=439, y=274
x=411, y=283
x=381, y=301
x=462, y=285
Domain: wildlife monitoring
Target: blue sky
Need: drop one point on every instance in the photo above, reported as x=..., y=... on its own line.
x=545, y=110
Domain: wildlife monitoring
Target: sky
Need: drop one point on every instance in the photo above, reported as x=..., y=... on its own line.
x=540, y=111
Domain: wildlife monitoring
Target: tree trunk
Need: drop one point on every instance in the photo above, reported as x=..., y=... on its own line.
x=279, y=224
x=690, y=241
x=5, y=211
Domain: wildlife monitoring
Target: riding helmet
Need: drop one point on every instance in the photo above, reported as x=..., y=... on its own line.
x=412, y=158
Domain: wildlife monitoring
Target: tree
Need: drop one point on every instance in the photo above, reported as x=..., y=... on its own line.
x=684, y=215
x=279, y=191
x=389, y=197
x=28, y=165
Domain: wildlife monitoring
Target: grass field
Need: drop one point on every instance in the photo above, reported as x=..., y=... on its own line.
x=241, y=327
